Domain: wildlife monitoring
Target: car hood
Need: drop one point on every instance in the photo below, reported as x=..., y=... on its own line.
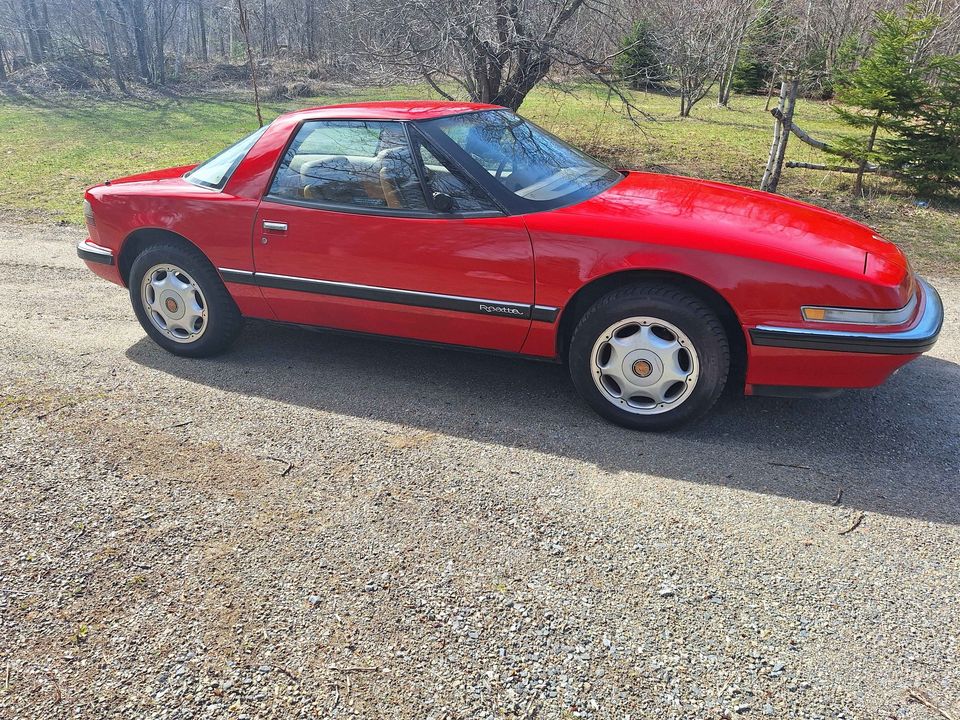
x=154, y=175
x=749, y=219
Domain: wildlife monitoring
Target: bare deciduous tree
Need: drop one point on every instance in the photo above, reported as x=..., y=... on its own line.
x=797, y=36
x=494, y=50
x=491, y=50
x=740, y=21
x=700, y=39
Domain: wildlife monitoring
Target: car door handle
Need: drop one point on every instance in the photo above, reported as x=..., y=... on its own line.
x=275, y=226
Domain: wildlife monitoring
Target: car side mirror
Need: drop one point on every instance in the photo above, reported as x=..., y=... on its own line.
x=442, y=202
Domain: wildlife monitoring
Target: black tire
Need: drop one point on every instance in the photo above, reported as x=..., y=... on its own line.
x=688, y=314
x=223, y=321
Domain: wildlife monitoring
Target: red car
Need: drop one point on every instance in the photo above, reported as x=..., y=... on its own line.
x=465, y=225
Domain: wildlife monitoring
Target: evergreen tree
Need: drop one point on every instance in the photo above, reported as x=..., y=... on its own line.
x=639, y=62
x=926, y=147
x=887, y=87
x=752, y=73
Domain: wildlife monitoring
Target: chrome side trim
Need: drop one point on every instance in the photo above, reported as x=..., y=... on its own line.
x=415, y=298
x=384, y=289
x=92, y=252
x=917, y=339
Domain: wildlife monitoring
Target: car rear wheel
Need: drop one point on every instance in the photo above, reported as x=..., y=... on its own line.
x=181, y=301
x=649, y=357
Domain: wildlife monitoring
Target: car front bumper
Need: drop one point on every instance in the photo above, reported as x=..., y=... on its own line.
x=100, y=260
x=916, y=339
x=91, y=252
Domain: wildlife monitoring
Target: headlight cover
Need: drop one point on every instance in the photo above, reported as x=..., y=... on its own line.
x=856, y=316
x=88, y=213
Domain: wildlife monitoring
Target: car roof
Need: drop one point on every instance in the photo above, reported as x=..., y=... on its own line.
x=391, y=110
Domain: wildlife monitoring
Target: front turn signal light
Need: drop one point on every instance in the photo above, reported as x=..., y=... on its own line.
x=856, y=316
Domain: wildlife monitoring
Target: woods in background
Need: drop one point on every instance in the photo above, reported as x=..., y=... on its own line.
x=498, y=50
x=492, y=50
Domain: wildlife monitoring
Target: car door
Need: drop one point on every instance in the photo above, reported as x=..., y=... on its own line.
x=351, y=235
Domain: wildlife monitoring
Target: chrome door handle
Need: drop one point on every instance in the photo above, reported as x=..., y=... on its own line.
x=277, y=226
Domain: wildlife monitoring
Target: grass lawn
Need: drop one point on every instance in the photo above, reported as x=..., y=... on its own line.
x=51, y=150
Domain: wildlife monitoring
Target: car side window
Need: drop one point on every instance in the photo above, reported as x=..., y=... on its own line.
x=445, y=179
x=355, y=163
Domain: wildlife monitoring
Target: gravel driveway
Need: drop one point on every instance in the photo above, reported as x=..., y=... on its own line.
x=318, y=526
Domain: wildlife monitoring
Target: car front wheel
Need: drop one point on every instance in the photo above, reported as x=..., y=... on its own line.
x=181, y=301
x=649, y=357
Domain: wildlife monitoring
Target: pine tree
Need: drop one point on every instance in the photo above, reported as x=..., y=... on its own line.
x=887, y=87
x=752, y=73
x=926, y=148
x=639, y=61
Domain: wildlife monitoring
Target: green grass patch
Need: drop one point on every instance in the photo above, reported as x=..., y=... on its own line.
x=51, y=151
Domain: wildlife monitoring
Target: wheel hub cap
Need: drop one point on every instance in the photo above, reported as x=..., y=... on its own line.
x=174, y=303
x=645, y=365
x=174, y=310
x=642, y=368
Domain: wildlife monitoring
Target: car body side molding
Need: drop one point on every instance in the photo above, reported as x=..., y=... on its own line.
x=480, y=306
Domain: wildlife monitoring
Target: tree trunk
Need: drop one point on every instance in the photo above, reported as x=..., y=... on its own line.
x=310, y=32
x=32, y=25
x=723, y=97
x=264, y=30
x=159, y=37
x=202, y=27
x=528, y=72
x=766, y=107
x=138, y=20
x=781, y=135
x=46, y=40
x=181, y=44
x=775, y=143
x=3, y=62
x=726, y=78
x=111, y=44
x=230, y=40
x=858, y=183
x=245, y=29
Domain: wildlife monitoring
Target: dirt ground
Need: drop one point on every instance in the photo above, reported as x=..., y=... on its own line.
x=317, y=526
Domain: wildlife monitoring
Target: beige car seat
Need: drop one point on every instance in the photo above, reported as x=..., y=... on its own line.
x=328, y=179
x=399, y=180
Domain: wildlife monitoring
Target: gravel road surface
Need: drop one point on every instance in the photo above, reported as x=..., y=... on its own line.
x=315, y=526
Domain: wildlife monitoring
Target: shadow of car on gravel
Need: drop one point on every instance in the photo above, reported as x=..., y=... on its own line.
x=894, y=449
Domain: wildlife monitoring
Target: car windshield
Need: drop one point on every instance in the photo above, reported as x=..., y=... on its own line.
x=527, y=160
x=215, y=172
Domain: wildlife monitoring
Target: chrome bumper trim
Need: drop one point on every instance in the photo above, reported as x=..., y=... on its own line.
x=91, y=252
x=917, y=339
